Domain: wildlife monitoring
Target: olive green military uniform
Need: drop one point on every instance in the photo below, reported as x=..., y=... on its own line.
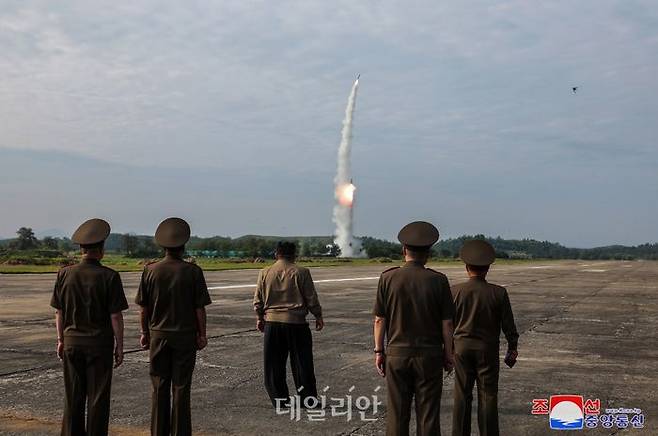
x=414, y=300
x=173, y=290
x=87, y=294
x=482, y=309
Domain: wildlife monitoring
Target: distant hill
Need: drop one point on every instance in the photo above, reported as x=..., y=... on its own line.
x=505, y=248
x=114, y=242
x=534, y=249
x=263, y=246
x=54, y=233
x=280, y=238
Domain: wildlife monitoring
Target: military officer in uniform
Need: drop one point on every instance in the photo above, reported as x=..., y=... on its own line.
x=284, y=295
x=172, y=295
x=413, y=312
x=482, y=309
x=88, y=299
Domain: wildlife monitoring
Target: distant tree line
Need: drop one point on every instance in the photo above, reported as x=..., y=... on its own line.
x=26, y=241
x=253, y=246
x=262, y=246
x=533, y=249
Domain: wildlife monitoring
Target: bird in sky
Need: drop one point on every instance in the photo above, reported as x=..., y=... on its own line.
x=574, y=89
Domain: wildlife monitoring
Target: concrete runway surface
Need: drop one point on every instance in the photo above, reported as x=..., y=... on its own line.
x=587, y=328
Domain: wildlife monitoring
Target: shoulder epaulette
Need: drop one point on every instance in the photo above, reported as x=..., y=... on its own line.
x=65, y=267
x=149, y=262
x=390, y=269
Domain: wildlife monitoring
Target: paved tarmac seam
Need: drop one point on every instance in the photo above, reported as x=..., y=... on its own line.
x=567, y=307
x=50, y=366
x=353, y=432
x=21, y=322
x=22, y=371
x=24, y=351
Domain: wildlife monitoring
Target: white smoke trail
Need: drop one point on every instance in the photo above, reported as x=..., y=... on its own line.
x=344, y=190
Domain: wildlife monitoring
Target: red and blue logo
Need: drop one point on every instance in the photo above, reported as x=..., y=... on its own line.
x=566, y=412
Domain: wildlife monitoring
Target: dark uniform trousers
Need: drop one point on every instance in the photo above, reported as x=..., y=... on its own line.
x=479, y=365
x=171, y=368
x=87, y=379
x=408, y=377
x=281, y=340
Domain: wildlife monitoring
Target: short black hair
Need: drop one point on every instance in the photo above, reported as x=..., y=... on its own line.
x=478, y=269
x=92, y=247
x=415, y=249
x=175, y=250
x=286, y=248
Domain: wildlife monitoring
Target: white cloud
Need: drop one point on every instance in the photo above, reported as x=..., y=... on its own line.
x=260, y=86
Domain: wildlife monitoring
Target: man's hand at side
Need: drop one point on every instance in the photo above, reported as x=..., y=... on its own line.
x=380, y=363
x=117, y=328
x=201, y=342
x=60, y=349
x=144, y=341
x=448, y=362
x=510, y=357
x=118, y=354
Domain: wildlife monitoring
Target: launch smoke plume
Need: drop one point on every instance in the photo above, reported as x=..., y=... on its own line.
x=344, y=193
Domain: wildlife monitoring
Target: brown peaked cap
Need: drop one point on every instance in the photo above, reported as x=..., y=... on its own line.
x=477, y=252
x=91, y=232
x=172, y=233
x=418, y=234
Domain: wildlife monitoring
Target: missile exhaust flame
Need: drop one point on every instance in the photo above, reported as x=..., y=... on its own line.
x=344, y=188
x=345, y=195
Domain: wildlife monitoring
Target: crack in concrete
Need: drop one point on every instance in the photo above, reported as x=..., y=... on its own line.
x=568, y=307
x=22, y=322
x=25, y=351
x=53, y=365
x=22, y=371
x=365, y=424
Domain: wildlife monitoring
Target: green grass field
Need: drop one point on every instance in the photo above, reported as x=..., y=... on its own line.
x=126, y=264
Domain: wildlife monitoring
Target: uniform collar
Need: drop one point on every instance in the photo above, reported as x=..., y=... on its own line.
x=284, y=261
x=477, y=279
x=90, y=261
x=170, y=256
x=413, y=263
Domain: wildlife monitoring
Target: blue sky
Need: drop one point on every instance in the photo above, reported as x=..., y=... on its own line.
x=228, y=114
